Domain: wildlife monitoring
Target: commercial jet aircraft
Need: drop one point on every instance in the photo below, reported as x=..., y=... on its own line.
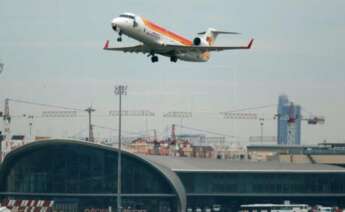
x=158, y=40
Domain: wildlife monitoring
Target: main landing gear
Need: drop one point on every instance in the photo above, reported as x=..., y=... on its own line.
x=154, y=59
x=173, y=59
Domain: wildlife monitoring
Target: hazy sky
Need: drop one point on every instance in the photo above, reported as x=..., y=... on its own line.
x=53, y=54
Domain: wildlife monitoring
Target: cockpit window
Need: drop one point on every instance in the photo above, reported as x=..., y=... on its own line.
x=127, y=16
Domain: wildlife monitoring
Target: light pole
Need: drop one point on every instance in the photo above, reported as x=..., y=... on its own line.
x=30, y=117
x=261, y=129
x=119, y=90
x=89, y=111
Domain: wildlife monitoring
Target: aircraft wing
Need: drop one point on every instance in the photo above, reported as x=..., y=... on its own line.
x=136, y=49
x=181, y=48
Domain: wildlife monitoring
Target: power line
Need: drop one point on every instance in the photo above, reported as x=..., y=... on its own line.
x=44, y=105
x=205, y=131
x=116, y=129
x=251, y=108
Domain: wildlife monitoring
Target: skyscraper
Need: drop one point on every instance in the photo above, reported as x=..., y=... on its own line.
x=288, y=122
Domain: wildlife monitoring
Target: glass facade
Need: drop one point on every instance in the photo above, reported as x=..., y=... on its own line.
x=84, y=172
x=230, y=190
x=82, y=177
x=263, y=183
x=289, y=133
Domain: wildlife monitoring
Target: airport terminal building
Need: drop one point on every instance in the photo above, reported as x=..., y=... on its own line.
x=81, y=176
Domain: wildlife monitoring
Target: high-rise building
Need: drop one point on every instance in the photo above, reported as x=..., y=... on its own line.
x=288, y=122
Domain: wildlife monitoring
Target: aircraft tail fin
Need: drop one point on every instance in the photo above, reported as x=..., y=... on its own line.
x=211, y=34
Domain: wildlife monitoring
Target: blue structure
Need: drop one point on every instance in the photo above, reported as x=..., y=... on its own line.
x=289, y=122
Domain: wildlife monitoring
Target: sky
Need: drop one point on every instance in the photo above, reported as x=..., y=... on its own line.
x=52, y=51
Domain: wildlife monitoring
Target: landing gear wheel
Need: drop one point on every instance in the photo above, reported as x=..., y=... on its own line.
x=154, y=59
x=173, y=59
x=119, y=39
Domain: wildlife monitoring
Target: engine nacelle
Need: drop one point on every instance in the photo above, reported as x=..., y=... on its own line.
x=199, y=42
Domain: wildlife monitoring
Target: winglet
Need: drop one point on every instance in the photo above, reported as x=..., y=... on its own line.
x=250, y=43
x=106, y=45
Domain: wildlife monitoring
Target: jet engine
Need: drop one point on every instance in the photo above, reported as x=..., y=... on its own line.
x=199, y=42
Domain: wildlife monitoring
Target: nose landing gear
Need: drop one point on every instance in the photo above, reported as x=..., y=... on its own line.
x=154, y=58
x=119, y=39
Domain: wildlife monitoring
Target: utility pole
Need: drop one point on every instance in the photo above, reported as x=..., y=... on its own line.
x=119, y=91
x=90, y=110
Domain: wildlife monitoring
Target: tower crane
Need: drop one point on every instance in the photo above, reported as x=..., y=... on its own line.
x=134, y=113
x=290, y=118
x=67, y=111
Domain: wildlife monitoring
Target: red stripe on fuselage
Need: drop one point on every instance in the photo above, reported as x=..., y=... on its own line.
x=167, y=33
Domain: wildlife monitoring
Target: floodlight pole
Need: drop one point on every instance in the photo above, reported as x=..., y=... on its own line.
x=89, y=111
x=119, y=90
x=261, y=130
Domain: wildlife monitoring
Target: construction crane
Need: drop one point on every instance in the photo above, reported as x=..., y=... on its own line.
x=313, y=120
x=290, y=118
x=231, y=115
x=63, y=112
x=290, y=114
x=178, y=114
x=59, y=114
x=134, y=113
x=241, y=114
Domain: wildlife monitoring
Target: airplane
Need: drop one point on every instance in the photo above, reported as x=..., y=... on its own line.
x=158, y=40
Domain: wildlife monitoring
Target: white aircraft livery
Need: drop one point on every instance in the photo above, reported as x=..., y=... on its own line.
x=155, y=40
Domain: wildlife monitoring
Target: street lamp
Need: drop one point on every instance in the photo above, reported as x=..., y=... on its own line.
x=262, y=129
x=31, y=118
x=119, y=90
x=89, y=111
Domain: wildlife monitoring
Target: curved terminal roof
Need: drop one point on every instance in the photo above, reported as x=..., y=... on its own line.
x=169, y=166
x=171, y=176
x=183, y=164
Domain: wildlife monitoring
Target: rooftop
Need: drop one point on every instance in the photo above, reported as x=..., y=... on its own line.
x=184, y=164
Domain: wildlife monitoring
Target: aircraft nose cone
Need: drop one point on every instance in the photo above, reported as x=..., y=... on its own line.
x=115, y=24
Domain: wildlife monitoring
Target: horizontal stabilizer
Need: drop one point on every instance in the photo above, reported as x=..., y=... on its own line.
x=220, y=32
